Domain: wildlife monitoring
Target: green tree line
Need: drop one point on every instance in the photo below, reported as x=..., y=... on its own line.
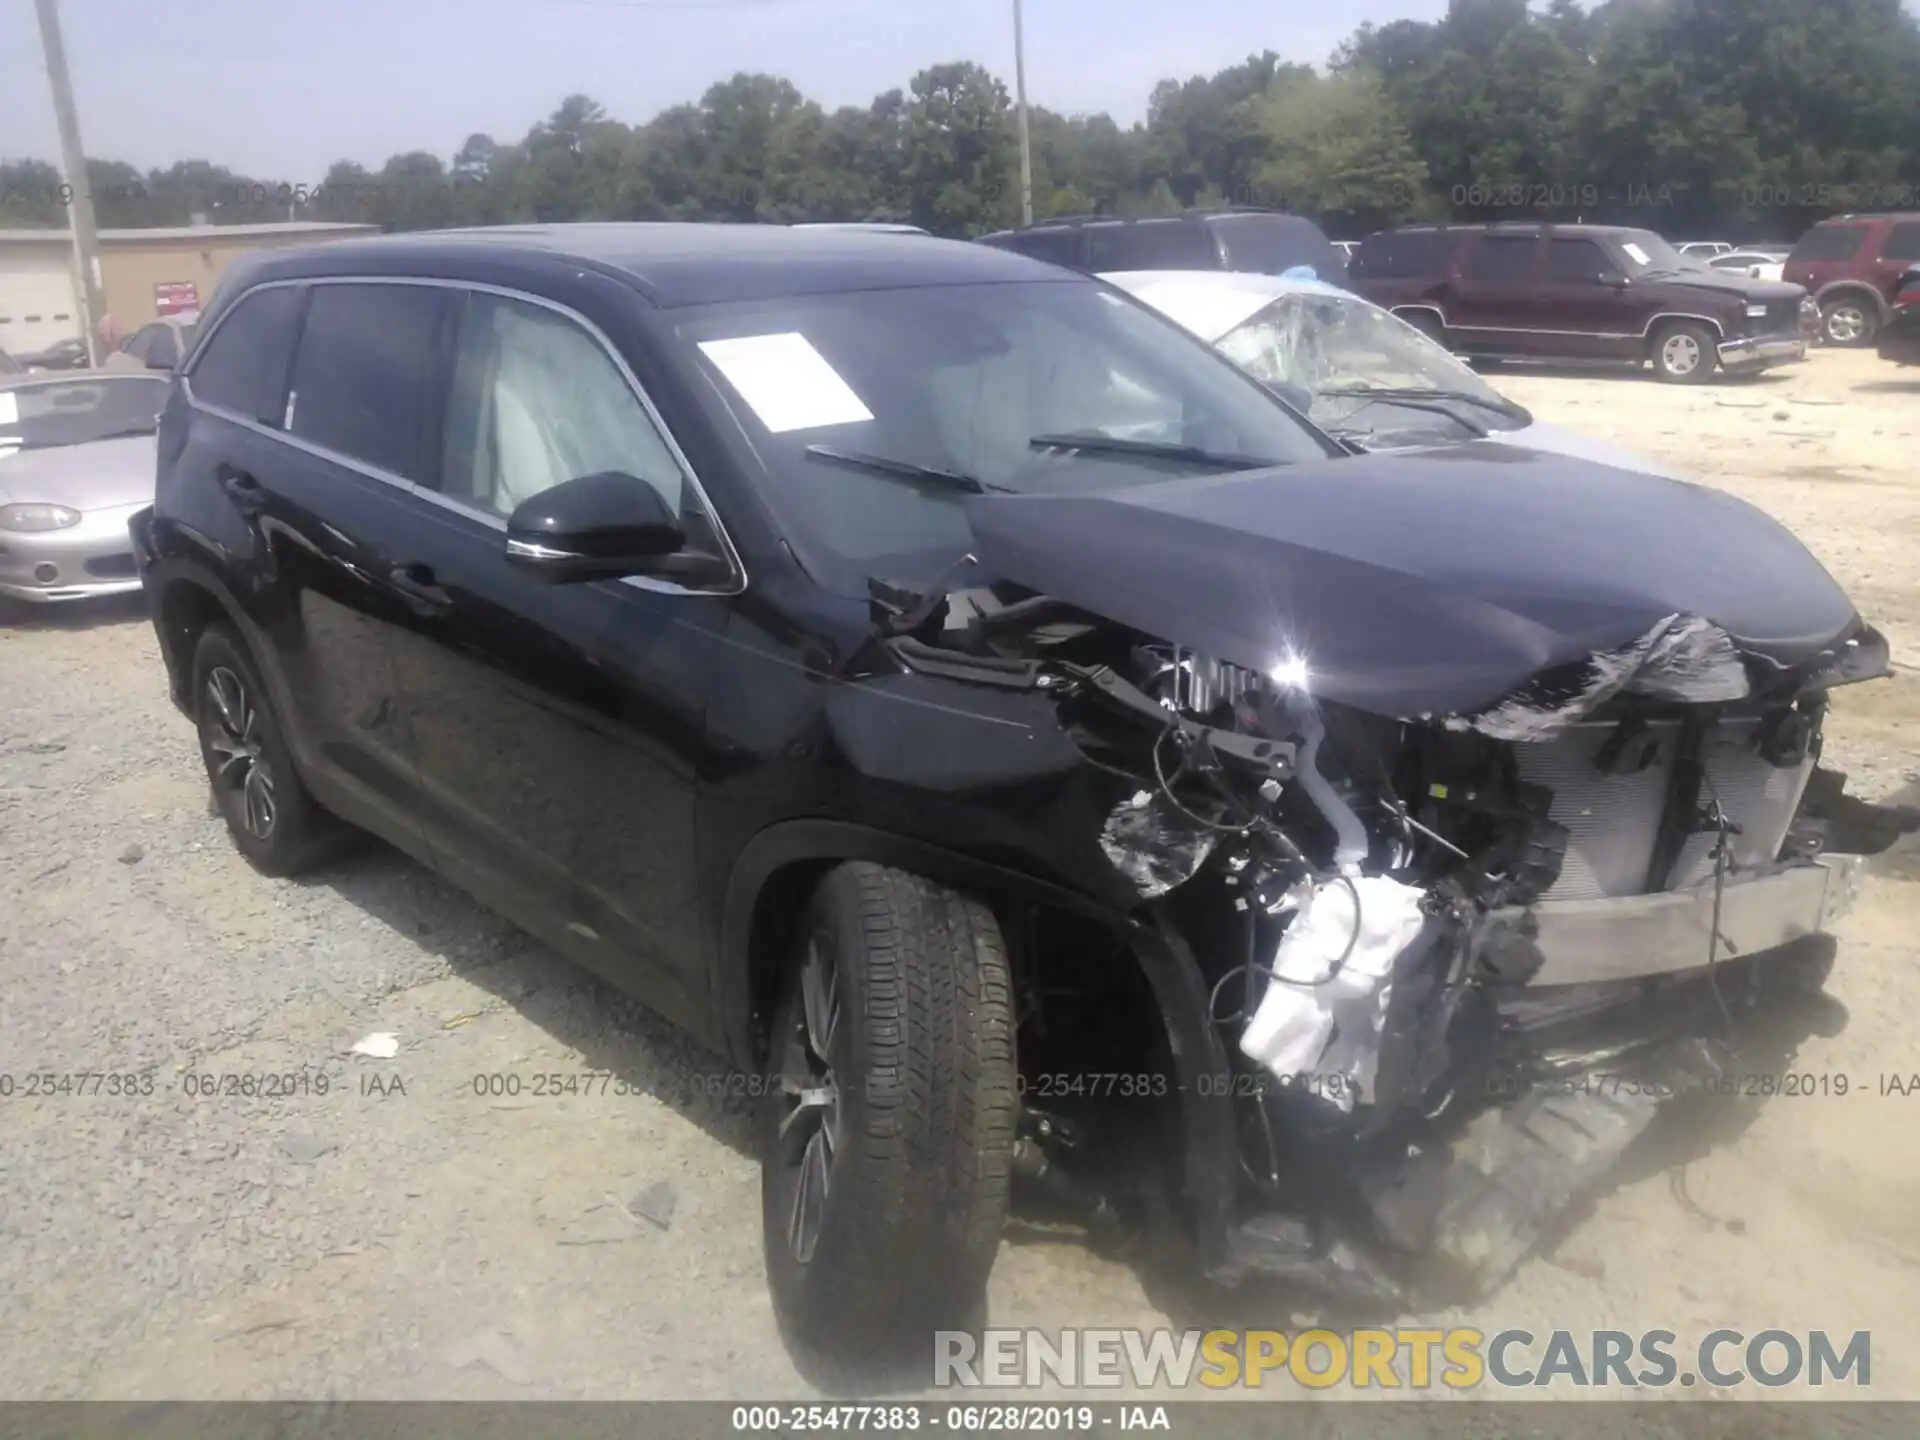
x=1744, y=118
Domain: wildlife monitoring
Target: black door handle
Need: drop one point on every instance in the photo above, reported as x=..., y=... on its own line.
x=418, y=584
x=246, y=492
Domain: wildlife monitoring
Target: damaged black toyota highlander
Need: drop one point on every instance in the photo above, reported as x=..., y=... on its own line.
x=968, y=702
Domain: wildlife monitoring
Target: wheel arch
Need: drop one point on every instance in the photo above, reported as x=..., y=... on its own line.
x=185, y=603
x=1665, y=318
x=775, y=871
x=1834, y=289
x=780, y=865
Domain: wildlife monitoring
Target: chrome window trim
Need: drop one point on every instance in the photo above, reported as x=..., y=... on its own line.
x=736, y=586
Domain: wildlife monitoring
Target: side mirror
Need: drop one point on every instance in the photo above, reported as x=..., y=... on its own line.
x=1613, y=278
x=599, y=527
x=1298, y=396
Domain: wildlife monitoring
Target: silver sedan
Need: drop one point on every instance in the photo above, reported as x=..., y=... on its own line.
x=76, y=461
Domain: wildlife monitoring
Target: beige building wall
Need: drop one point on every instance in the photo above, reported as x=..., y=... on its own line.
x=132, y=269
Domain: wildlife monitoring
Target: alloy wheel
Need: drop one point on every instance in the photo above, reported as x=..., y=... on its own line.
x=809, y=1133
x=1680, y=354
x=237, y=762
x=1846, y=323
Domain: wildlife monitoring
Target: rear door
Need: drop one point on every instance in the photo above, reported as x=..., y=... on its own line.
x=555, y=726
x=1493, y=304
x=310, y=402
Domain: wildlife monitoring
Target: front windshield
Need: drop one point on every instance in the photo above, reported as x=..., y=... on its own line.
x=876, y=411
x=78, y=411
x=1336, y=346
x=1646, y=252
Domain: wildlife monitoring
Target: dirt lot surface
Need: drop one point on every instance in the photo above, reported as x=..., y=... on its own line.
x=403, y=1236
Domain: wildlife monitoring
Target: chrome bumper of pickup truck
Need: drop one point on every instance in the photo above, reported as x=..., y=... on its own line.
x=1595, y=941
x=1768, y=350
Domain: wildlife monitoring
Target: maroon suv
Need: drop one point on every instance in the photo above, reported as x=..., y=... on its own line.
x=1851, y=265
x=1580, y=292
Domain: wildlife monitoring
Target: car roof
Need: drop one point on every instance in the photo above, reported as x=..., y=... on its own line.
x=1507, y=227
x=678, y=263
x=1211, y=303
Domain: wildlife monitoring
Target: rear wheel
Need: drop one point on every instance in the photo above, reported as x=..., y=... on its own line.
x=274, y=822
x=887, y=1125
x=1848, y=320
x=1684, y=353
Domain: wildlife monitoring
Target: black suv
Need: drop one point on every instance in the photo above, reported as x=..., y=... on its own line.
x=1266, y=242
x=1581, y=292
x=955, y=694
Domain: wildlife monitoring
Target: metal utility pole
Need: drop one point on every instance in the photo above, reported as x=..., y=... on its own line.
x=73, y=159
x=1020, y=99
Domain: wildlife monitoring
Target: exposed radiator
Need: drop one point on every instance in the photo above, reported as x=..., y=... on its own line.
x=1613, y=819
x=1759, y=798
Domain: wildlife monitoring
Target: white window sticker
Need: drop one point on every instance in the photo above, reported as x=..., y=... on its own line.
x=788, y=383
x=1639, y=255
x=9, y=408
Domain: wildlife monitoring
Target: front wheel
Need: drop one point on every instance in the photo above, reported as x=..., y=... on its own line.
x=887, y=1125
x=1685, y=354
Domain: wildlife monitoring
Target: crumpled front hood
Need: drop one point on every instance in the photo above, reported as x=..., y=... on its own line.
x=1431, y=582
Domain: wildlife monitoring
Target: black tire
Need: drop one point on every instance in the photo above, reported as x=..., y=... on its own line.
x=918, y=1022
x=1849, y=321
x=1684, y=352
x=243, y=745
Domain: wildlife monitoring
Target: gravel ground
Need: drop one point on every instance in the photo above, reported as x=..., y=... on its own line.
x=402, y=1236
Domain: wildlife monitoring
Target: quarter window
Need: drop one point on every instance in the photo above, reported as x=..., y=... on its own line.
x=1830, y=242
x=538, y=401
x=1903, y=241
x=363, y=374
x=243, y=367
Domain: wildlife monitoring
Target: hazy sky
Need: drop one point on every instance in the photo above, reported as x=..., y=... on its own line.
x=278, y=89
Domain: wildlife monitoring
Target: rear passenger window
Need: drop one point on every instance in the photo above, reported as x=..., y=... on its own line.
x=1903, y=241
x=1151, y=245
x=1503, y=257
x=363, y=374
x=1403, y=255
x=1830, y=242
x=1056, y=247
x=243, y=368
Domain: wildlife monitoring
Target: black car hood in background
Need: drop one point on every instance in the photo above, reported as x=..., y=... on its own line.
x=1429, y=583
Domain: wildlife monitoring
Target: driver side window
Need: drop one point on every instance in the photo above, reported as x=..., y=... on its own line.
x=537, y=401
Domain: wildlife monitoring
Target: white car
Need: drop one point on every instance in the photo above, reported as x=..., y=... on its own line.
x=1705, y=249
x=1359, y=373
x=1754, y=264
